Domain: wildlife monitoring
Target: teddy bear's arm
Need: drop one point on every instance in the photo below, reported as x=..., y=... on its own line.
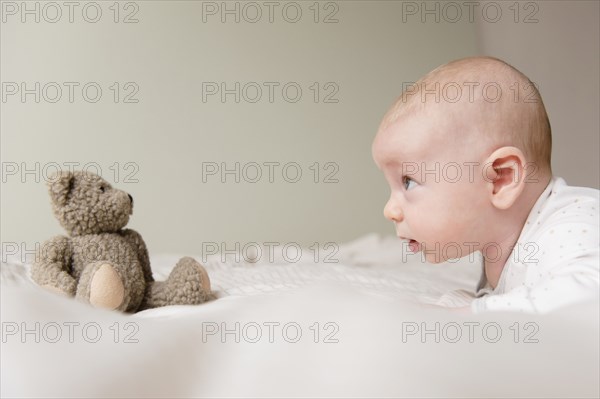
x=52, y=265
x=136, y=240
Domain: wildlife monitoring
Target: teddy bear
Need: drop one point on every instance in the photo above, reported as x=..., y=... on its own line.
x=100, y=262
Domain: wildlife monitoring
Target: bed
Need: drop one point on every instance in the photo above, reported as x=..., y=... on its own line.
x=371, y=324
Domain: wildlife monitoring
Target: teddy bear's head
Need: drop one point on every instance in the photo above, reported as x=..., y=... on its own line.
x=85, y=203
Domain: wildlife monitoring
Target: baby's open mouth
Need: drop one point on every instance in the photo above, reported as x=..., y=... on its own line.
x=413, y=245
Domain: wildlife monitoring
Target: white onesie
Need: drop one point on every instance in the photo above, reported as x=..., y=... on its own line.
x=555, y=261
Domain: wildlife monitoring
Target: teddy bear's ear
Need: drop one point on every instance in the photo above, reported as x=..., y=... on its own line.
x=59, y=186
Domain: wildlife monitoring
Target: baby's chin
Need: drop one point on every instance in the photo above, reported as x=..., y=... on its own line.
x=437, y=258
x=434, y=258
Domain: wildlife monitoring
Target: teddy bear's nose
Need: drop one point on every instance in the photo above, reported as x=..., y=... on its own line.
x=130, y=198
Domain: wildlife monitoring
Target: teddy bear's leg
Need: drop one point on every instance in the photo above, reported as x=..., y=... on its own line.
x=102, y=286
x=155, y=296
x=188, y=284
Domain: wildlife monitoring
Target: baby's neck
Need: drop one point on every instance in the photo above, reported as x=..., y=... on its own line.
x=510, y=227
x=493, y=268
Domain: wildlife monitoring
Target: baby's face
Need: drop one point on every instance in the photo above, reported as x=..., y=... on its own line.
x=438, y=197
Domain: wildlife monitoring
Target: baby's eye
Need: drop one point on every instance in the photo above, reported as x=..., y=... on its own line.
x=102, y=189
x=408, y=182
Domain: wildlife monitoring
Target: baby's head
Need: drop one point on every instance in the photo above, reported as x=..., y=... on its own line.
x=466, y=152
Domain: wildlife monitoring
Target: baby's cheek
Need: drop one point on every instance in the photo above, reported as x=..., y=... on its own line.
x=442, y=218
x=432, y=231
x=448, y=231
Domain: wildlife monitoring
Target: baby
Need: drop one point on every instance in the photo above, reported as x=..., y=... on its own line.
x=466, y=153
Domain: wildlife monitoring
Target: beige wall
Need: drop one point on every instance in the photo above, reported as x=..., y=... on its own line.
x=171, y=131
x=560, y=53
x=161, y=142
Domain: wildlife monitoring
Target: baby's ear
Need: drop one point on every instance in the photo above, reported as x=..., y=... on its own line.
x=60, y=186
x=505, y=177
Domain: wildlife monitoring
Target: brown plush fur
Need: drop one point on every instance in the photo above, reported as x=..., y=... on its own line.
x=100, y=262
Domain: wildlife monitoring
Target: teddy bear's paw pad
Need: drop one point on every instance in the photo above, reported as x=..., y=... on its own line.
x=106, y=288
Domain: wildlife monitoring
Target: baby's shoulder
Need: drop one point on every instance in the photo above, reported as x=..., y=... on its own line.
x=566, y=225
x=568, y=205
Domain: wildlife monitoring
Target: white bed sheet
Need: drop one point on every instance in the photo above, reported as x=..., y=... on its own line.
x=367, y=302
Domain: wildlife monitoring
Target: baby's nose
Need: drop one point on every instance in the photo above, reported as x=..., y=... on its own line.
x=393, y=212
